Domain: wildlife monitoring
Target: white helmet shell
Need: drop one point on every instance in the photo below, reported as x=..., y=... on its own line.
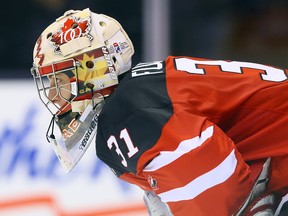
x=91, y=50
x=63, y=39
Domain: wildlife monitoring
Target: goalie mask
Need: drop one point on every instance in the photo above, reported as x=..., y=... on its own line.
x=77, y=61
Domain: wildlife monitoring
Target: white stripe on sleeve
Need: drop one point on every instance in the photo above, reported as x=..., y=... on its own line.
x=214, y=177
x=167, y=157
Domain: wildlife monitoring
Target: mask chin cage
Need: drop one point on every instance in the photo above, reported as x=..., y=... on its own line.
x=56, y=95
x=72, y=143
x=73, y=131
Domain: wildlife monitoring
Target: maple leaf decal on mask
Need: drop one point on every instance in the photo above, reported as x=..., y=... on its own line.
x=72, y=28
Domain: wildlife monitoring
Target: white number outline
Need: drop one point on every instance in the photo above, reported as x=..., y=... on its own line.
x=271, y=73
x=132, y=150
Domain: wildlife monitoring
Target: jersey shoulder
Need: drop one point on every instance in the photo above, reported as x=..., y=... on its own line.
x=133, y=116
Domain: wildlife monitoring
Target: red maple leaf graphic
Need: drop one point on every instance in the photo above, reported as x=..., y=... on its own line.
x=71, y=29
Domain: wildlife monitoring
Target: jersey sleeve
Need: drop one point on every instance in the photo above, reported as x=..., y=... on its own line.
x=201, y=172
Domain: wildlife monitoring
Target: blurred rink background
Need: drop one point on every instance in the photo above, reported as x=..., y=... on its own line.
x=32, y=183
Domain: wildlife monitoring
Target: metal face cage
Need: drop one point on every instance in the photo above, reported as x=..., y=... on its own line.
x=56, y=84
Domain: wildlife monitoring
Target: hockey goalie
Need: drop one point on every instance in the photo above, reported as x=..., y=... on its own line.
x=199, y=136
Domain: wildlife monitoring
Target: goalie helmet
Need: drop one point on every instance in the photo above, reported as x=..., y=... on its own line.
x=76, y=64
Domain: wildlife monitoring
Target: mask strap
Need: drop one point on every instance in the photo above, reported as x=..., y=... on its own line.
x=91, y=86
x=51, y=126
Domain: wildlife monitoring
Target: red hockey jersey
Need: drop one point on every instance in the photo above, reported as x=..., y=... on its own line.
x=187, y=128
